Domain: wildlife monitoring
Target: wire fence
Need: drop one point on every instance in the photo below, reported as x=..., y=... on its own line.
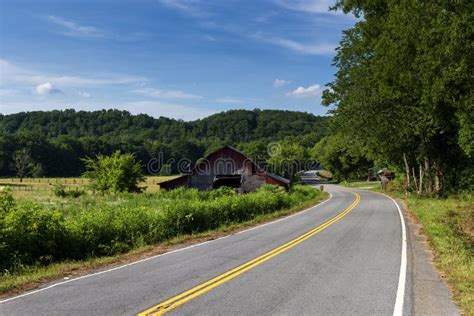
x=29, y=188
x=45, y=180
x=47, y=184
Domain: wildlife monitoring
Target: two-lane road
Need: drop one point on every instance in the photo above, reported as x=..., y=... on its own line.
x=341, y=257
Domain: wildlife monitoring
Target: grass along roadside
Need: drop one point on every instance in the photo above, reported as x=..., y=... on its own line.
x=448, y=224
x=33, y=276
x=364, y=185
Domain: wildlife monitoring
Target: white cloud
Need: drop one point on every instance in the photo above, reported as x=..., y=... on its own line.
x=188, y=7
x=166, y=94
x=13, y=73
x=229, y=100
x=278, y=83
x=209, y=38
x=298, y=47
x=46, y=88
x=84, y=94
x=302, y=92
x=310, y=6
x=264, y=18
x=70, y=28
x=305, y=49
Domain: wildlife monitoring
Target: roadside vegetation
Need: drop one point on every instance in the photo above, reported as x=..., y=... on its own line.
x=36, y=234
x=449, y=226
x=402, y=96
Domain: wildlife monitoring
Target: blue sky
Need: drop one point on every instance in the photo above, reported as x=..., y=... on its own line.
x=184, y=59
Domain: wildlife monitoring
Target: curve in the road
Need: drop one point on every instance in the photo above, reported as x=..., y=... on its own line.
x=196, y=291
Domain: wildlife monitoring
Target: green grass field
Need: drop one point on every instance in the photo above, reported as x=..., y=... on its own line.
x=34, y=187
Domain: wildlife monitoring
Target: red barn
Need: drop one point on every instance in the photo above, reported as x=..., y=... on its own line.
x=226, y=166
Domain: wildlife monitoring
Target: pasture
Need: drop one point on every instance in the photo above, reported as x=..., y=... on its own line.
x=34, y=187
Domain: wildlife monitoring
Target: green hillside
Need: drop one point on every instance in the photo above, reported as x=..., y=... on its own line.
x=57, y=140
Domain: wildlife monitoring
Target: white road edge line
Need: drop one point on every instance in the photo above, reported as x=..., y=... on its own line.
x=398, y=309
x=400, y=299
x=160, y=255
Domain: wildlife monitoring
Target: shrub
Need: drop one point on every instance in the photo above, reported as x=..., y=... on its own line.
x=60, y=190
x=6, y=200
x=33, y=233
x=75, y=193
x=222, y=191
x=116, y=173
x=325, y=174
x=270, y=188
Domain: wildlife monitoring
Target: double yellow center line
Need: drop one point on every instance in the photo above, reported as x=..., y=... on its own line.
x=196, y=291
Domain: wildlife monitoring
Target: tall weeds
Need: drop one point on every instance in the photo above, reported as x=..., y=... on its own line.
x=90, y=226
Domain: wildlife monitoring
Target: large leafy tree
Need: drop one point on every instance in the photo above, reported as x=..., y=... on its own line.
x=25, y=165
x=403, y=89
x=344, y=159
x=113, y=174
x=288, y=157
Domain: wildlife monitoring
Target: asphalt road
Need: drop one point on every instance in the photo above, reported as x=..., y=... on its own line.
x=350, y=265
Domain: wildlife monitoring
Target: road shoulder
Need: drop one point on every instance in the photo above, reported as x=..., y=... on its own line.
x=431, y=294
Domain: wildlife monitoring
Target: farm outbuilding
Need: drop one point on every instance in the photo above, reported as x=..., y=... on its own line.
x=229, y=167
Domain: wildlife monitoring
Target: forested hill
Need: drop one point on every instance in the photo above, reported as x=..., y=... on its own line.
x=55, y=142
x=231, y=126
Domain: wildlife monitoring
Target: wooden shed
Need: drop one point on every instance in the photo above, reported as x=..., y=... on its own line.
x=226, y=166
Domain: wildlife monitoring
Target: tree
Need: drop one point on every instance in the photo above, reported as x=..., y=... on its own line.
x=116, y=173
x=25, y=165
x=256, y=150
x=404, y=86
x=338, y=156
x=287, y=158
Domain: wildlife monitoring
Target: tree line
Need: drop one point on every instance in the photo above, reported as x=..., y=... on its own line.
x=403, y=92
x=55, y=143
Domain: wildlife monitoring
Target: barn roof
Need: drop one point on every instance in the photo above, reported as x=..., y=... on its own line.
x=260, y=169
x=278, y=178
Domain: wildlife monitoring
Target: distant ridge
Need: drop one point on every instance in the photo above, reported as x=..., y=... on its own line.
x=232, y=126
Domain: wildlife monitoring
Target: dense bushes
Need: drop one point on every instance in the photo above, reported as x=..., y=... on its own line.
x=60, y=190
x=94, y=226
